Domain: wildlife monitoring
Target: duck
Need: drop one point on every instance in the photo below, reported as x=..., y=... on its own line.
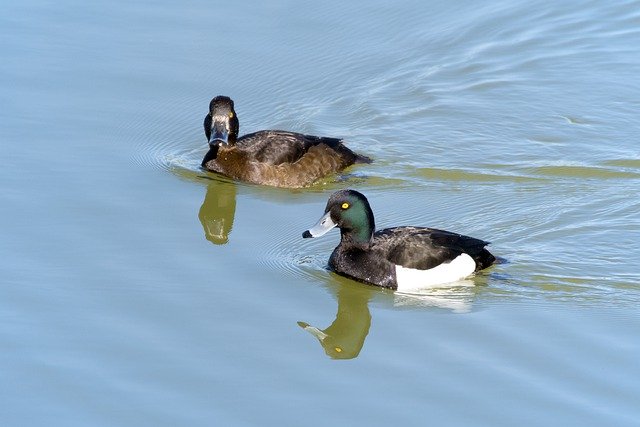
x=270, y=157
x=404, y=258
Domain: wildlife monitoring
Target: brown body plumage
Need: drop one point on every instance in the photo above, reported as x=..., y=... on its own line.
x=270, y=157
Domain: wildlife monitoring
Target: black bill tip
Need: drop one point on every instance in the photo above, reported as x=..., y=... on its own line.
x=216, y=142
x=306, y=234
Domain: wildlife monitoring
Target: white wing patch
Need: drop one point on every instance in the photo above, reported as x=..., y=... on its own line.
x=411, y=278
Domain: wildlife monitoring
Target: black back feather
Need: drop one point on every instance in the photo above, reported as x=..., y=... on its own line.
x=423, y=248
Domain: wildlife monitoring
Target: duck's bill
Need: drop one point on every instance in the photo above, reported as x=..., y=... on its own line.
x=219, y=138
x=219, y=134
x=322, y=227
x=313, y=331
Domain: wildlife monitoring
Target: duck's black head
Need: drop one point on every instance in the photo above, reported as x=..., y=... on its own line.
x=221, y=125
x=348, y=210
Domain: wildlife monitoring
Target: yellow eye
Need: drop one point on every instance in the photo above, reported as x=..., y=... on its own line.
x=345, y=205
x=231, y=114
x=338, y=350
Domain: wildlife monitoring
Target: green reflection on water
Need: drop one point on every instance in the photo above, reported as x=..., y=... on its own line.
x=218, y=208
x=344, y=338
x=218, y=211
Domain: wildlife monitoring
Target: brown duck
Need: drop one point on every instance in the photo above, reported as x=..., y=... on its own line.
x=270, y=157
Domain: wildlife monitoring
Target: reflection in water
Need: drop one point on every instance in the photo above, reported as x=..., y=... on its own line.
x=344, y=338
x=219, y=206
x=457, y=298
x=218, y=210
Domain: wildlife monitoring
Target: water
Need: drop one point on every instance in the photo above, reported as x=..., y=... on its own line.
x=138, y=290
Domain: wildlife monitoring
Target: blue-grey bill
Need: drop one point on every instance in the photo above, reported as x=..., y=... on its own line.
x=322, y=227
x=219, y=138
x=219, y=133
x=313, y=330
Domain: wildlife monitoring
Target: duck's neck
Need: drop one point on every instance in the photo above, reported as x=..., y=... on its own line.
x=211, y=154
x=357, y=237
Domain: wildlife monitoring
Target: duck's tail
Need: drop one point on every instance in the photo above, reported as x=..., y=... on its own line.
x=484, y=259
x=362, y=159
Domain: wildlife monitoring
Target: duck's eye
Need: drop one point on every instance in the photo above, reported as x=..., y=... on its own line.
x=338, y=350
x=231, y=114
x=345, y=205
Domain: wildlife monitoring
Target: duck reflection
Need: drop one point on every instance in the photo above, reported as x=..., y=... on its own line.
x=344, y=338
x=218, y=210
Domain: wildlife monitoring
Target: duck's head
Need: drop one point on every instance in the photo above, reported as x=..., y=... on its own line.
x=221, y=125
x=348, y=210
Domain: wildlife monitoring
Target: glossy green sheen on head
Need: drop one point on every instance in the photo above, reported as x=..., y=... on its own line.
x=351, y=212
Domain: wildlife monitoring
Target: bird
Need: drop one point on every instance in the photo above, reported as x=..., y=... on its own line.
x=402, y=258
x=270, y=157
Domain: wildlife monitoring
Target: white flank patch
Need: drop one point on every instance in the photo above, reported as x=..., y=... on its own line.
x=411, y=279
